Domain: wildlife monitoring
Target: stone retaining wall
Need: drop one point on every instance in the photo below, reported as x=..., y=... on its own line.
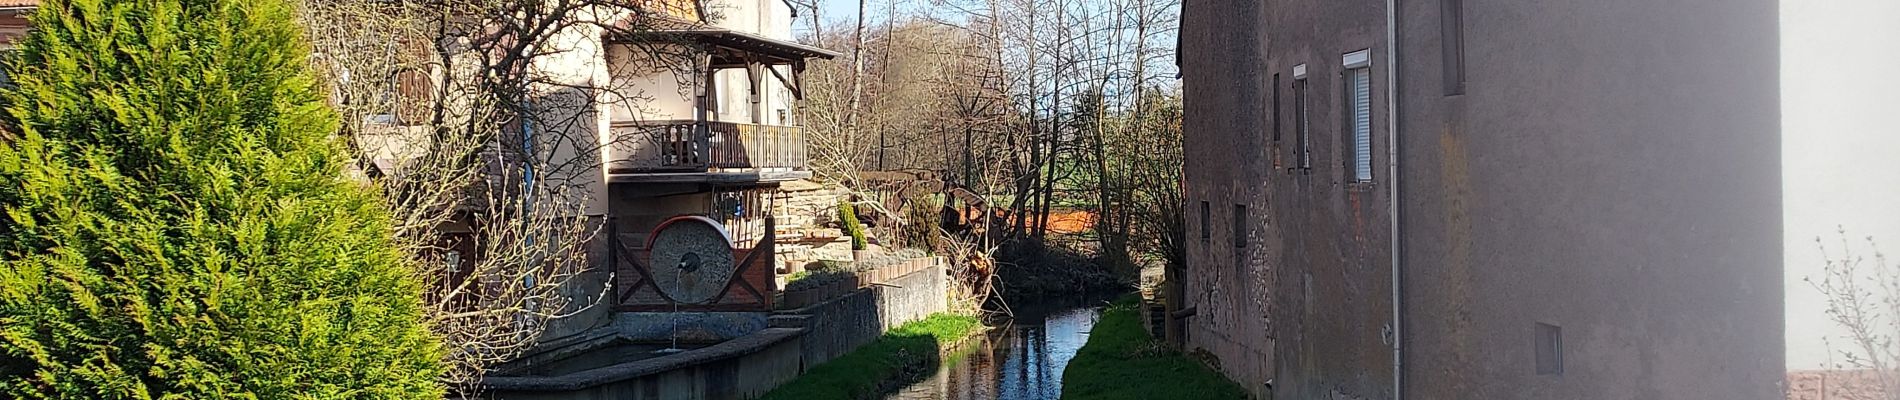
x=836, y=327
x=742, y=368
x=749, y=366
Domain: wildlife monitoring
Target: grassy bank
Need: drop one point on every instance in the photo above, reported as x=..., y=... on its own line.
x=1121, y=361
x=908, y=350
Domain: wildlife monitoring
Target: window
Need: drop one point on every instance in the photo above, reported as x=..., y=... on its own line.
x=406, y=95
x=1358, y=82
x=1550, y=349
x=1304, y=149
x=1276, y=108
x=1451, y=30
x=454, y=261
x=528, y=114
x=1240, y=226
x=414, y=95
x=1207, y=223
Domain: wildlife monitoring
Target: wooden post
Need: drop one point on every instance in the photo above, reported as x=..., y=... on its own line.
x=770, y=257
x=701, y=132
x=753, y=81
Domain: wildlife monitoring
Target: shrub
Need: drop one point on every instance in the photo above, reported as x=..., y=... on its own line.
x=811, y=279
x=848, y=220
x=177, y=223
x=923, y=211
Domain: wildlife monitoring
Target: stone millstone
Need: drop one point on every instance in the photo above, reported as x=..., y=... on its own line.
x=692, y=261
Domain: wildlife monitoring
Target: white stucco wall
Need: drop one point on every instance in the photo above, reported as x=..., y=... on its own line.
x=771, y=18
x=576, y=62
x=645, y=91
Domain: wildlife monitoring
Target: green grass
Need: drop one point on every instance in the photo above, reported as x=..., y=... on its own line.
x=1121, y=361
x=910, y=349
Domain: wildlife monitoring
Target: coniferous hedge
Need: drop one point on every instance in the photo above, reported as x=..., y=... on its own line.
x=176, y=223
x=848, y=220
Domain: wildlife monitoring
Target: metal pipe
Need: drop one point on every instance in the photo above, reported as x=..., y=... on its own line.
x=1392, y=198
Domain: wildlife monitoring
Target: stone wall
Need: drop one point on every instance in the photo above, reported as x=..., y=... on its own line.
x=808, y=204
x=588, y=308
x=747, y=366
x=742, y=368
x=687, y=326
x=807, y=210
x=836, y=327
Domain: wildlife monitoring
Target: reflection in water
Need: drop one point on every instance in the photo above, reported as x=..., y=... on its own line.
x=1022, y=360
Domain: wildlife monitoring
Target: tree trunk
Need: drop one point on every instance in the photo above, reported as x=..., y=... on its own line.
x=853, y=114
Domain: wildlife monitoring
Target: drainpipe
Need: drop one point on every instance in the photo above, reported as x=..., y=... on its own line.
x=1392, y=200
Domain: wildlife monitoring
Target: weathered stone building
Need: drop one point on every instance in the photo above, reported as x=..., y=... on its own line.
x=13, y=23
x=1586, y=202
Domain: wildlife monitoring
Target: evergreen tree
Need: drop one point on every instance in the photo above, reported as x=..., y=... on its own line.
x=176, y=222
x=848, y=220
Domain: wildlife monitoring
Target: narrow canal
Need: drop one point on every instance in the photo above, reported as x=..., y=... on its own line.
x=1022, y=358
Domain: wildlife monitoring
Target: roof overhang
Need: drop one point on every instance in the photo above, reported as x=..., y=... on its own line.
x=659, y=28
x=736, y=40
x=18, y=6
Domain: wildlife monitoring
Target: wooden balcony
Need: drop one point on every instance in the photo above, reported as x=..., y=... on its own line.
x=684, y=151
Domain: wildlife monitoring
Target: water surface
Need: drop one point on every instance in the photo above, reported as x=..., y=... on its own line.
x=1022, y=359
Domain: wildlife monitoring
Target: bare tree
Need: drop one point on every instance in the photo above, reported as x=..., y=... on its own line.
x=1863, y=298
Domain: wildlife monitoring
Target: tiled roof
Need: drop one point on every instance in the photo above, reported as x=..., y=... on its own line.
x=19, y=3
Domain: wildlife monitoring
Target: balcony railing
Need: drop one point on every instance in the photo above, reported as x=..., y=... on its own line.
x=694, y=146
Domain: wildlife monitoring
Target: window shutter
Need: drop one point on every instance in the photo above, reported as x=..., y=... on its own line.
x=1451, y=32
x=1300, y=93
x=1362, y=124
x=414, y=97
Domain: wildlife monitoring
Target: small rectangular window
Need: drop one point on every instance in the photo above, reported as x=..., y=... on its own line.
x=1550, y=349
x=414, y=93
x=1359, y=108
x=1240, y=225
x=1276, y=107
x=454, y=262
x=1207, y=223
x=1451, y=26
x=1303, y=150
